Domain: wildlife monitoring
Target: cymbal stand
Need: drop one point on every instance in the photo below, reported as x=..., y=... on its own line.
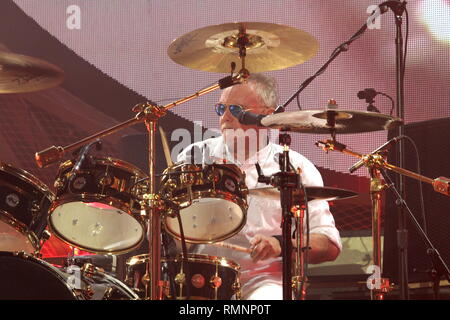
x=377, y=165
x=151, y=204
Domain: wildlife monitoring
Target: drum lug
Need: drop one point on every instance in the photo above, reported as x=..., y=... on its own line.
x=187, y=178
x=35, y=210
x=87, y=293
x=171, y=185
x=88, y=270
x=215, y=282
x=46, y=235
x=145, y=279
x=58, y=184
x=236, y=287
x=105, y=180
x=180, y=278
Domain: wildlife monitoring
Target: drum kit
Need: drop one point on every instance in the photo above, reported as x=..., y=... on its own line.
x=107, y=206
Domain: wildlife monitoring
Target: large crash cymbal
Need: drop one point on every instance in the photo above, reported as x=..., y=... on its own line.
x=313, y=193
x=19, y=74
x=270, y=47
x=315, y=121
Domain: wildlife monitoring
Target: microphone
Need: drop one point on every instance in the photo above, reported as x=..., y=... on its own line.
x=82, y=156
x=369, y=94
x=250, y=118
x=359, y=164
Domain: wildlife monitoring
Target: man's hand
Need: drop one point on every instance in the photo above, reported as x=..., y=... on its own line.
x=322, y=249
x=264, y=247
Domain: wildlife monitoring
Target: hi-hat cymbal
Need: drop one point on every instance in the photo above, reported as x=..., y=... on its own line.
x=19, y=73
x=313, y=193
x=270, y=47
x=315, y=121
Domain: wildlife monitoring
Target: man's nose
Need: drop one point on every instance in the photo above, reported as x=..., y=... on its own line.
x=227, y=115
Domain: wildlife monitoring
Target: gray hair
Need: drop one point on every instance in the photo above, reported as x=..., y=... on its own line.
x=266, y=88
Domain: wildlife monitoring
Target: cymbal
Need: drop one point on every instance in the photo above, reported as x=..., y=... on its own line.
x=315, y=121
x=270, y=47
x=19, y=73
x=314, y=193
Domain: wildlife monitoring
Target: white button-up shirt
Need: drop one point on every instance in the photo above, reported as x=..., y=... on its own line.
x=264, y=214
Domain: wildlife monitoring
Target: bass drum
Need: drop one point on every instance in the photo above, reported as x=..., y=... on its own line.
x=24, y=204
x=24, y=277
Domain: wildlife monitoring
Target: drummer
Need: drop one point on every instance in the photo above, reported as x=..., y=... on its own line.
x=261, y=270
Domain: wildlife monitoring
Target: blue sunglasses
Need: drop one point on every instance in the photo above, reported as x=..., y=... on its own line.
x=235, y=109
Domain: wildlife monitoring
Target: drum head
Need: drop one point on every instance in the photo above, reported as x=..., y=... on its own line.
x=12, y=239
x=96, y=227
x=208, y=220
x=31, y=279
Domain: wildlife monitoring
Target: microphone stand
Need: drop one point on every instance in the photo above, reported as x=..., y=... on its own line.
x=287, y=181
x=398, y=7
x=341, y=48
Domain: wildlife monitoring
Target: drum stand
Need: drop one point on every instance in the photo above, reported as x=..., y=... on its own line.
x=376, y=164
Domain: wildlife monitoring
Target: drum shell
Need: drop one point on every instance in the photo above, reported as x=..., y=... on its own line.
x=199, y=272
x=107, y=180
x=188, y=184
x=207, y=178
x=24, y=203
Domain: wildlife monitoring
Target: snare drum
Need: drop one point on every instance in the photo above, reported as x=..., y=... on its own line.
x=203, y=277
x=24, y=204
x=212, y=201
x=24, y=277
x=97, y=208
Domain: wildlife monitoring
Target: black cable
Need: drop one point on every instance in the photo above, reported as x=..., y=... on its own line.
x=422, y=204
x=298, y=102
x=341, y=48
x=390, y=98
